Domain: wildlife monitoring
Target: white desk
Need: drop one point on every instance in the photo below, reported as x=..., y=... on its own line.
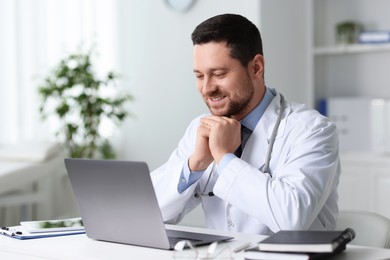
x=81, y=247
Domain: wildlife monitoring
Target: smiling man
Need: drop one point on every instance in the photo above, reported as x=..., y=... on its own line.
x=257, y=163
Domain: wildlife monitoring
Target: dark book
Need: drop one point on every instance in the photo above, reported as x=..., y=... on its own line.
x=255, y=253
x=307, y=241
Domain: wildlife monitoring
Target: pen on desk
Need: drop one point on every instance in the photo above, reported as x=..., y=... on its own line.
x=242, y=247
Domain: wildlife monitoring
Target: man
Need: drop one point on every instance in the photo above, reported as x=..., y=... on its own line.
x=293, y=187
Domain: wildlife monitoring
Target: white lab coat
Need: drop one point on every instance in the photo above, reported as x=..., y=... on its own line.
x=299, y=193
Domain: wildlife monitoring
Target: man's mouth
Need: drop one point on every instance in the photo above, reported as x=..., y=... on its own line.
x=216, y=99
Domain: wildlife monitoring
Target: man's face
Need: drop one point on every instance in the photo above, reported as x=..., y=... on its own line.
x=225, y=85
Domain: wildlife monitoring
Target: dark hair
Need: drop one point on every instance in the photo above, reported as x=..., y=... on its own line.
x=241, y=35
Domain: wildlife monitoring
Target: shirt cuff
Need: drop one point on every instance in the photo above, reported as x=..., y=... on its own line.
x=187, y=178
x=225, y=161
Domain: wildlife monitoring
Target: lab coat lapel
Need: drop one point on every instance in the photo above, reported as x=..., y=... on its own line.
x=256, y=148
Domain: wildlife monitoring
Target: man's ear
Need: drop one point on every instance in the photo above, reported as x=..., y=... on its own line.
x=256, y=66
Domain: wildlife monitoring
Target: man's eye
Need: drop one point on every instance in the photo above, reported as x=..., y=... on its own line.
x=199, y=76
x=220, y=75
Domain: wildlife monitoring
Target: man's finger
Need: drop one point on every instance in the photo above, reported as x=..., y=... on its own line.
x=213, y=120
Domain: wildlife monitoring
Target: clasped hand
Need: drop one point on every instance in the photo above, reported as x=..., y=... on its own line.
x=216, y=136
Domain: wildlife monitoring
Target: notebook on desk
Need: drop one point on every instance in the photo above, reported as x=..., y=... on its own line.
x=117, y=203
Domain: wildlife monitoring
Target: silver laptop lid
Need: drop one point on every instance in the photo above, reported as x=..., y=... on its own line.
x=117, y=202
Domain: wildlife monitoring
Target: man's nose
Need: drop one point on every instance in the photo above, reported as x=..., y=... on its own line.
x=209, y=85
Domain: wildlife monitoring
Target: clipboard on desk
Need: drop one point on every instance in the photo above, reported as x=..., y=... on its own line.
x=18, y=232
x=44, y=228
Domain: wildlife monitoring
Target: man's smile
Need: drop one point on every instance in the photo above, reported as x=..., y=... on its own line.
x=216, y=99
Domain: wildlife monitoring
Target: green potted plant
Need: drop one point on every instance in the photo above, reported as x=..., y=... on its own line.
x=74, y=95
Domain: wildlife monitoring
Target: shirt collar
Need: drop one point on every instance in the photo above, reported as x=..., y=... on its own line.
x=251, y=120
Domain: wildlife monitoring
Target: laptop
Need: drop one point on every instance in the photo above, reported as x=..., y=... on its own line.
x=117, y=203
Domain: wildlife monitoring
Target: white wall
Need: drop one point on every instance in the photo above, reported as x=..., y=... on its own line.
x=284, y=30
x=156, y=62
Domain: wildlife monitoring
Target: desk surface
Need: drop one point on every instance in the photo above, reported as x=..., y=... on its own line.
x=81, y=247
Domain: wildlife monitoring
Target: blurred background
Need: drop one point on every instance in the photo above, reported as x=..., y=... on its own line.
x=330, y=54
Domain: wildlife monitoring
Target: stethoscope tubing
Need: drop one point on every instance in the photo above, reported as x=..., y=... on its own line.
x=274, y=133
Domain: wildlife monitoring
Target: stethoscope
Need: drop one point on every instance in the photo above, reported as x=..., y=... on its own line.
x=268, y=155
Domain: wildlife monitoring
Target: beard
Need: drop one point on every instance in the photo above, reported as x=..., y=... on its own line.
x=237, y=102
x=234, y=107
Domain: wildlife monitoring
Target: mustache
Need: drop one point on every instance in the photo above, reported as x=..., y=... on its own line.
x=215, y=93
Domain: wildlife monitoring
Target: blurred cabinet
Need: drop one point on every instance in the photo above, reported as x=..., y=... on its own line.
x=365, y=182
x=347, y=70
